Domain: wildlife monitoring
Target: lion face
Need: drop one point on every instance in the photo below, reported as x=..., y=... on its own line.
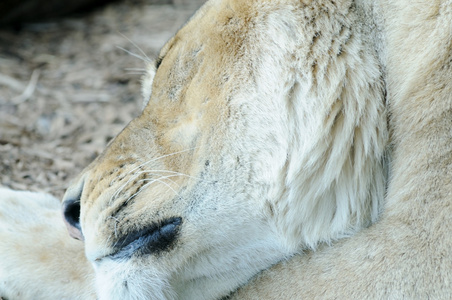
x=220, y=176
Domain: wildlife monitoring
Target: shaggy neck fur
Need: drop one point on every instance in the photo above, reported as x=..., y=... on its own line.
x=335, y=174
x=406, y=254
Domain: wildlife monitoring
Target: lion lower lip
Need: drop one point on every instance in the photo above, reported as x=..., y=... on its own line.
x=151, y=240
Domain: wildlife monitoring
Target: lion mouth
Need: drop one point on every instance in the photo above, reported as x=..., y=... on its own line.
x=151, y=240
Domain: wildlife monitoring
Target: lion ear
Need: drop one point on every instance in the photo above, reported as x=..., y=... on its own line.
x=146, y=83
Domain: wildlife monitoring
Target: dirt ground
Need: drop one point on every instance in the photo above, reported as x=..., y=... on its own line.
x=66, y=88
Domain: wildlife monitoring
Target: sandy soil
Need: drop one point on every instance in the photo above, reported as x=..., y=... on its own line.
x=66, y=88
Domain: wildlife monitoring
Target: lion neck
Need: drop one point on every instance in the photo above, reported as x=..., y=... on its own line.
x=335, y=176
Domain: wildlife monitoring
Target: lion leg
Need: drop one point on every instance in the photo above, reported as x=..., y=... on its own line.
x=39, y=259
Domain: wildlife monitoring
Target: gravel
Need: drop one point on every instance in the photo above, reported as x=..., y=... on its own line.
x=67, y=88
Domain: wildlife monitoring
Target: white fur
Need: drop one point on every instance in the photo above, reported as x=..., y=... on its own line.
x=406, y=254
x=146, y=83
x=38, y=260
x=295, y=141
x=312, y=139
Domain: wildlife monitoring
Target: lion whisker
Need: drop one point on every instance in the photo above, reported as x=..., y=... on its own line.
x=163, y=177
x=168, y=186
x=135, y=69
x=135, y=73
x=120, y=189
x=176, y=173
x=152, y=180
x=136, y=46
x=148, y=184
x=160, y=157
x=145, y=59
x=116, y=223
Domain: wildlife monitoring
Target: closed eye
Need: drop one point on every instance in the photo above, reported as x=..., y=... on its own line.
x=158, y=62
x=165, y=50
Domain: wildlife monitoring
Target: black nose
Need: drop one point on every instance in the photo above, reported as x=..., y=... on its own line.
x=71, y=211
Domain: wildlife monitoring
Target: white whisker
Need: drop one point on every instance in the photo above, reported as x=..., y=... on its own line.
x=148, y=184
x=163, y=177
x=134, y=54
x=135, y=69
x=163, y=156
x=116, y=223
x=136, y=46
x=119, y=190
x=174, y=172
x=168, y=186
x=151, y=181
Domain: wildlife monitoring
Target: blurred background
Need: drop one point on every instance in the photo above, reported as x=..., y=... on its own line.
x=66, y=86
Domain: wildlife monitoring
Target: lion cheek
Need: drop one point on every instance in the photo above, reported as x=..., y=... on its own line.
x=184, y=135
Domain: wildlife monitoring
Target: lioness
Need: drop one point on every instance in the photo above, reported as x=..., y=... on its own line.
x=263, y=136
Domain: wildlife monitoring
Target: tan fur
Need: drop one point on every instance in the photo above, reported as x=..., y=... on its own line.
x=273, y=119
x=264, y=134
x=406, y=255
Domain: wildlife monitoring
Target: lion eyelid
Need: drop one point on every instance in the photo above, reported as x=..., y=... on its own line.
x=164, y=51
x=158, y=62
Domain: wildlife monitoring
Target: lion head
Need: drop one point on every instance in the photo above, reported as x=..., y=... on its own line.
x=263, y=135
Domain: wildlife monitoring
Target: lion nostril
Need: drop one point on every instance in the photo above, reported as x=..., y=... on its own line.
x=71, y=212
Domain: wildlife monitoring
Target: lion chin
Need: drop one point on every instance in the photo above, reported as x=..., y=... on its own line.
x=263, y=135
